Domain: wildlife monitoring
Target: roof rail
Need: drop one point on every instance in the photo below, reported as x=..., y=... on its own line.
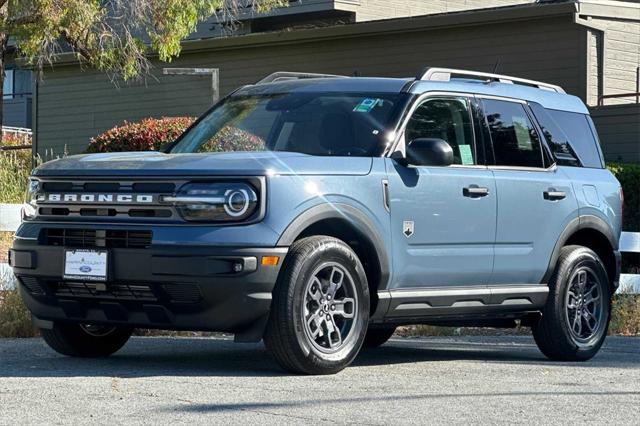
x=445, y=74
x=285, y=75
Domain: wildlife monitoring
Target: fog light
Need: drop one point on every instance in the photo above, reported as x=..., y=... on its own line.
x=270, y=260
x=237, y=267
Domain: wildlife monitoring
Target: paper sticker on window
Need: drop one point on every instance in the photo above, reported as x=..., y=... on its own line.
x=521, y=127
x=465, y=154
x=366, y=105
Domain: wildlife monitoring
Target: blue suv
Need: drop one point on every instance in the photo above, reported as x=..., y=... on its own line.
x=320, y=212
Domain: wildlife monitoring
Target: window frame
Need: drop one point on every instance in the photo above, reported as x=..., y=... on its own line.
x=548, y=162
x=399, y=144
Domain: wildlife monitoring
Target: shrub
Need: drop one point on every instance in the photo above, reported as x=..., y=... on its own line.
x=629, y=177
x=15, y=319
x=15, y=167
x=149, y=134
x=625, y=314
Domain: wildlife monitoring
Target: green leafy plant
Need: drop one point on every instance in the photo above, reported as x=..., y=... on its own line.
x=629, y=177
x=149, y=134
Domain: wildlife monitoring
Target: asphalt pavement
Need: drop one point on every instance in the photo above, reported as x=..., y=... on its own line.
x=460, y=380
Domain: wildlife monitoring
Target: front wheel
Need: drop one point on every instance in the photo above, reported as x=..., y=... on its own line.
x=320, y=307
x=576, y=317
x=86, y=340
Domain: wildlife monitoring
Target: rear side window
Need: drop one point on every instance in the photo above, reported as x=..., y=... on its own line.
x=515, y=140
x=570, y=136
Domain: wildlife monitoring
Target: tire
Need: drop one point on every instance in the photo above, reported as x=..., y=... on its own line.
x=378, y=336
x=576, y=316
x=308, y=331
x=84, y=340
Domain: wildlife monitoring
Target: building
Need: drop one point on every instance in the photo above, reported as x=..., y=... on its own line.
x=590, y=47
x=16, y=97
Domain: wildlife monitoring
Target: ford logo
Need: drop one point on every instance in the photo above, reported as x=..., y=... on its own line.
x=85, y=268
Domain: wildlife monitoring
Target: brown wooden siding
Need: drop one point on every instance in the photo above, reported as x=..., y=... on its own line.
x=74, y=105
x=619, y=130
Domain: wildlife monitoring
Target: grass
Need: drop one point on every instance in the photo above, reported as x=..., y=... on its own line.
x=5, y=243
x=15, y=167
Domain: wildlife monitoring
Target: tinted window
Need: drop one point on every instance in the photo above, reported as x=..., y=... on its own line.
x=448, y=119
x=555, y=137
x=311, y=123
x=515, y=140
x=577, y=128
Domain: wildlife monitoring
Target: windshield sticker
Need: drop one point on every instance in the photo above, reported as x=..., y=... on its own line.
x=366, y=105
x=465, y=154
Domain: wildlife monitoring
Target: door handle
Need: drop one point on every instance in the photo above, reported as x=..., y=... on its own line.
x=553, y=195
x=474, y=191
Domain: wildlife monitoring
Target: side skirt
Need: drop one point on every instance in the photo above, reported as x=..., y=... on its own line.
x=471, y=302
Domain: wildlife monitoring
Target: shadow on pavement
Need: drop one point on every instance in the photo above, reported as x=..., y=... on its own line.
x=188, y=357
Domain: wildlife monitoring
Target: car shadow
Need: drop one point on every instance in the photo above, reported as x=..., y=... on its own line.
x=203, y=357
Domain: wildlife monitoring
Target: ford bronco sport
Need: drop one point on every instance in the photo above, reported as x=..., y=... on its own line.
x=341, y=208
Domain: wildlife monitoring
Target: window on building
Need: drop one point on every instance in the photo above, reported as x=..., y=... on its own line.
x=515, y=140
x=7, y=87
x=448, y=119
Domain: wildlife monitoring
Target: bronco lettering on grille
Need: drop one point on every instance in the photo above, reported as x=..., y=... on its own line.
x=96, y=198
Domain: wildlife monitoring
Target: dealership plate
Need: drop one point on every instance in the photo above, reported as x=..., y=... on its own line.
x=88, y=265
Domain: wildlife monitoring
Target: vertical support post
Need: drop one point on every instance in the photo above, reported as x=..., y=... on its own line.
x=638, y=85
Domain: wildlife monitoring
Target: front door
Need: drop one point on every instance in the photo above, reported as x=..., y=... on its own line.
x=443, y=219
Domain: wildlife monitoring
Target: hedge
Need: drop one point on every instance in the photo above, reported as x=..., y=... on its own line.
x=149, y=134
x=629, y=177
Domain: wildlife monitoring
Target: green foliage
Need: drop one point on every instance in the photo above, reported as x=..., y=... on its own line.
x=149, y=134
x=625, y=314
x=114, y=36
x=15, y=167
x=629, y=177
x=15, y=318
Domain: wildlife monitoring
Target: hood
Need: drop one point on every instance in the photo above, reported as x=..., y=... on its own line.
x=209, y=164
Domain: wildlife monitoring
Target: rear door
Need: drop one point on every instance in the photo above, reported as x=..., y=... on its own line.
x=535, y=198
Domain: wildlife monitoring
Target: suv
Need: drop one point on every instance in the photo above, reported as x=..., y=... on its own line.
x=341, y=208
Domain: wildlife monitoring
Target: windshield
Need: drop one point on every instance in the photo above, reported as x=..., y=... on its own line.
x=310, y=123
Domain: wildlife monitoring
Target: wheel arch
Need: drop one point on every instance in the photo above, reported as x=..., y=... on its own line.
x=353, y=227
x=594, y=233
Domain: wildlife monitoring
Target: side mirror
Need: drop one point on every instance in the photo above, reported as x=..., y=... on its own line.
x=429, y=152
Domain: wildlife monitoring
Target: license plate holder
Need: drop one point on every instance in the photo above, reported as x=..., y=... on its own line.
x=86, y=265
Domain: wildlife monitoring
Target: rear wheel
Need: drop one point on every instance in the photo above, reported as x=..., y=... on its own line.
x=85, y=340
x=576, y=317
x=320, y=308
x=378, y=336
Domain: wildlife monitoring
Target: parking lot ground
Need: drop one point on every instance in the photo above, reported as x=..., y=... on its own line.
x=407, y=381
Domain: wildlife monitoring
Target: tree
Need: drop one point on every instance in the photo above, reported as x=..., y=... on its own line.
x=114, y=36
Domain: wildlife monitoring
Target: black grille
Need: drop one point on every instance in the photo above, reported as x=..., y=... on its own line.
x=33, y=285
x=110, y=291
x=109, y=238
x=183, y=293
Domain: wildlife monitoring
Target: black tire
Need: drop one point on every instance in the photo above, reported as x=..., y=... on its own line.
x=555, y=333
x=289, y=334
x=85, y=341
x=378, y=336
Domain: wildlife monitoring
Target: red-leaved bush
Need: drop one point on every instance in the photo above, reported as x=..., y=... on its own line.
x=149, y=134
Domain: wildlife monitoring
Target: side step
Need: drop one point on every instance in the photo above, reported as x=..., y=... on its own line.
x=464, y=300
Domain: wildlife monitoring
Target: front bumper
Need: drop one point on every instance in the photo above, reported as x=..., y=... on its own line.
x=168, y=287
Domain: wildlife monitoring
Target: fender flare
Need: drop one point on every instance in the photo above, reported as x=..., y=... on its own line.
x=576, y=224
x=355, y=217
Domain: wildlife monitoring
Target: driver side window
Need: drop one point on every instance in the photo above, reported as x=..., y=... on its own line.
x=448, y=119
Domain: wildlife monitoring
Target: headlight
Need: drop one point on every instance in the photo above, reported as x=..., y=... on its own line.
x=215, y=202
x=29, y=208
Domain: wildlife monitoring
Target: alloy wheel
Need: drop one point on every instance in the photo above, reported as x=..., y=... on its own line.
x=584, y=306
x=330, y=307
